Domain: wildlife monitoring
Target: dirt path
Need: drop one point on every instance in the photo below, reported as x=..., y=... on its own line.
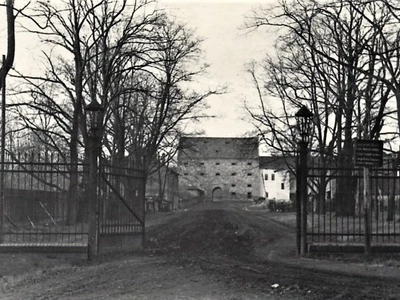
x=138, y=277
x=210, y=252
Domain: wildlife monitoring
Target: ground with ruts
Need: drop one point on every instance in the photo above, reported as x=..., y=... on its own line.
x=208, y=251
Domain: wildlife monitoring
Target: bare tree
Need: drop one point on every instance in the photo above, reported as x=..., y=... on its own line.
x=133, y=60
x=81, y=34
x=326, y=57
x=155, y=101
x=9, y=61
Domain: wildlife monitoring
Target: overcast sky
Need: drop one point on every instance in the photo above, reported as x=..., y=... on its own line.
x=227, y=49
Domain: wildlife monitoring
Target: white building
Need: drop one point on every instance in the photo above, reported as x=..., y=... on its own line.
x=277, y=180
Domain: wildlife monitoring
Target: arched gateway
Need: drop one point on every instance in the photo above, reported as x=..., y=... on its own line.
x=217, y=194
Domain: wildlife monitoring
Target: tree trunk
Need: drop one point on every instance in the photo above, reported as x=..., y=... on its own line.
x=72, y=209
x=73, y=146
x=8, y=63
x=392, y=192
x=321, y=209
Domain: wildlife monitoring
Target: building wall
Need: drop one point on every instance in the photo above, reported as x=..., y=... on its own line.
x=221, y=168
x=222, y=179
x=276, y=184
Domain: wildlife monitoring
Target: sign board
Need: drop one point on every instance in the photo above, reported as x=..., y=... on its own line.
x=369, y=153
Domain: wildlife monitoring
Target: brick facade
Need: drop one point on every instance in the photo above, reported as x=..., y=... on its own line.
x=223, y=168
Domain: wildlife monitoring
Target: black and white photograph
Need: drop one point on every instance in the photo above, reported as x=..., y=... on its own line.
x=199, y=149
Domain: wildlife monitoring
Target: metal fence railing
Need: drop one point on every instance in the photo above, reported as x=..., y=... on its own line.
x=336, y=207
x=41, y=204
x=45, y=201
x=122, y=201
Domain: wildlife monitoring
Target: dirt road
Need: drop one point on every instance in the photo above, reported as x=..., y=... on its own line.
x=213, y=251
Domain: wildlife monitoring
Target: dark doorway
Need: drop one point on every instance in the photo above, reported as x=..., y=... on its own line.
x=217, y=194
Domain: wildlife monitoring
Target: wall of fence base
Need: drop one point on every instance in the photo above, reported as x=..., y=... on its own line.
x=352, y=248
x=43, y=248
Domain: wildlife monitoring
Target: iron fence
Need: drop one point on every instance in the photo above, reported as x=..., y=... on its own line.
x=336, y=202
x=122, y=201
x=39, y=200
x=45, y=201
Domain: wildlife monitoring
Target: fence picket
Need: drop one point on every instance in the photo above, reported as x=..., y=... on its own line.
x=337, y=215
x=36, y=200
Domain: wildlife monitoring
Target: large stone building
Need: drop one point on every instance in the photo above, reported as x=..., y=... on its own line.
x=220, y=169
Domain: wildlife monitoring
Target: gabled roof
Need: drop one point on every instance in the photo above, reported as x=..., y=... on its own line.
x=277, y=162
x=224, y=148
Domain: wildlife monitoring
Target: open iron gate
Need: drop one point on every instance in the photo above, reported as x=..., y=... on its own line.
x=45, y=207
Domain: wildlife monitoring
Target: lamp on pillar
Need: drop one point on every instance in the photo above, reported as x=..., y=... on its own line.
x=94, y=114
x=304, y=121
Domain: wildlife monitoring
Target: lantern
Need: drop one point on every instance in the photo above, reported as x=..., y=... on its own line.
x=304, y=122
x=94, y=112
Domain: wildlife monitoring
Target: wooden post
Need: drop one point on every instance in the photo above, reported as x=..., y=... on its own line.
x=303, y=195
x=298, y=210
x=367, y=196
x=3, y=142
x=143, y=186
x=367, y=212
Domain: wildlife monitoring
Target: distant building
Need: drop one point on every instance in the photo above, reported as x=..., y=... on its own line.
x=278, y=182
x=219, y=169
x=162, y=189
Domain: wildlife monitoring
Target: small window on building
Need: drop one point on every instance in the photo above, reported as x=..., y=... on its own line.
x=272, y=176
x=282, y=186
x=249, y=163
x=233, y=164
x=217, y=163
x=233, y=174
x=233, y=194
x=233, y=185
x=266, y=176
x=249, y=174
x=217, y=174
x=249, y=195
x=249, y=185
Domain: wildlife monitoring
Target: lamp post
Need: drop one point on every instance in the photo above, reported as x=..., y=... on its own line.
x=94, y=113
x=304, y=120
